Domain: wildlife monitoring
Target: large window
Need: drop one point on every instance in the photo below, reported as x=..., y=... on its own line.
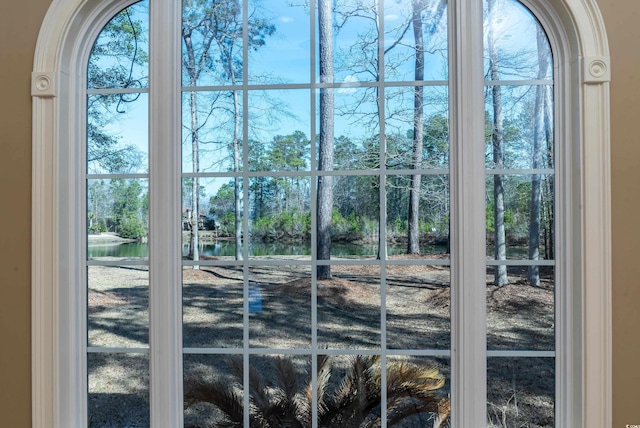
x=352, y=213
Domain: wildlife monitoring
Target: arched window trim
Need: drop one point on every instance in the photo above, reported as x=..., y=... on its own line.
x=578, y=38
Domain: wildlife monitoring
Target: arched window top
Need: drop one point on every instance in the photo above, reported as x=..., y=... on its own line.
x=578, y=41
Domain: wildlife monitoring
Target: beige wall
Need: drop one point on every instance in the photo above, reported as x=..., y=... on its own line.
x=19, y=24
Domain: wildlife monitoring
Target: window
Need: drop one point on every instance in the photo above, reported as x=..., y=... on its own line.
x=144, y=328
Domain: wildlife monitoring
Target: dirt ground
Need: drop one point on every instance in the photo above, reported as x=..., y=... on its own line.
x=416, y=302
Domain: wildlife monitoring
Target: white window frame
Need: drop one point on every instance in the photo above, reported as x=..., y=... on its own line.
x=583, y=343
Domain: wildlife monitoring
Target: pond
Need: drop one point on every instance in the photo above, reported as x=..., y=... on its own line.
x=256, y=249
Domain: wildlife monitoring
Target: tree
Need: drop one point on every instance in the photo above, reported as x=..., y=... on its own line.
x=541, y=137
x=497, y=137
x=285, y=399
x=126, y=208
x=118, y=60
x=212, y=33
x=325, y=146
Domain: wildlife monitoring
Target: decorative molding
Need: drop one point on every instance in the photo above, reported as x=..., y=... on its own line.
x=44, y=84
x=596, y=69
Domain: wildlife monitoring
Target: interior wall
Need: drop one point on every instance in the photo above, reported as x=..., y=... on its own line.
x=19, y=25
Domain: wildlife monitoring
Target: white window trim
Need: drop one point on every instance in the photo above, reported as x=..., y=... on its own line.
x=583, y=350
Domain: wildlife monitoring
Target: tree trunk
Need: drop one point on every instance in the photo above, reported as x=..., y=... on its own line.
x=539, y=137
x=237, y=186
x=498, y=156
x=413, y=232
x=325, y=149
x=195, y=194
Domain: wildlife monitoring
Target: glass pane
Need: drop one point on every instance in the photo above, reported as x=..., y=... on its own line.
x=120, y=54
x=402, y=120
x=280, y=48
x=280, y=306
x=519, y=127
x=520, y=217
x=218, y=210
x=403, y=46
x=515, y=43
x=118, y=390
x=118, y=306
x=418, y=307
x=356, y=129
x=521, y=316
x=212, y=390
x=117, y=133
x=279, y=126
x=212, y=307
x=418, y=392
x=280, y=217
x=212, y=43
x=355, y=42
x=349, y=307
x=215, y=205
x=117, y=219
x=212, y=136
x=521, y=392
x=431, y=237
x=355, y=214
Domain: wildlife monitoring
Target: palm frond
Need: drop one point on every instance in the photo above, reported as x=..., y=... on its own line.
x=221, y=395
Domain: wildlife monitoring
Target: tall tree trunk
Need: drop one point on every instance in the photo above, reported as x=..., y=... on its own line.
x=195, y=194
x=237, y=185
x=413, y=232
x=325, y=149
x=498, y=155
x=539, y=137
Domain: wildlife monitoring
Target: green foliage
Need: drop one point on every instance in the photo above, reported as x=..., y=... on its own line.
x=285, y=226
x=282, y=396
x=131, y=228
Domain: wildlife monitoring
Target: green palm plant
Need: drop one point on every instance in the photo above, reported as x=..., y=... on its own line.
x=352, y=400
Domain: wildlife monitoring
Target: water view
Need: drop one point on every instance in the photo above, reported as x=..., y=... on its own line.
x=258, y=249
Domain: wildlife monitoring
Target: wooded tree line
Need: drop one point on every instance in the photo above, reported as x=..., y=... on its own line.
x=410, y=122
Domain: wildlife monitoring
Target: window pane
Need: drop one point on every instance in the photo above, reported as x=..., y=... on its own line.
x=212, y=136
x=280, y=306
x=212, y=43
x=118, y=390
x=521, y=316
x=349, y=308
x=280, y=33
x=419, y=388
x=120, y=54
x=279, y=128
x=515, y=41
x=432, y=234
x=356, y=129
x=521, y=392
x=117, y=133
x=118, y=306
x=212, y=307
x=356, y=39
x=401, y=122
x=355, y=216
x=401, y=40
x=117, y=219
x=212, y=390
x=280, y=217
x=418, y=306
x=519, y=127
x=524, y=205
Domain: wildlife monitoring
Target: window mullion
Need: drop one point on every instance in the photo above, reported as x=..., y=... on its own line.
x=468, y=291
x=165, y=335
